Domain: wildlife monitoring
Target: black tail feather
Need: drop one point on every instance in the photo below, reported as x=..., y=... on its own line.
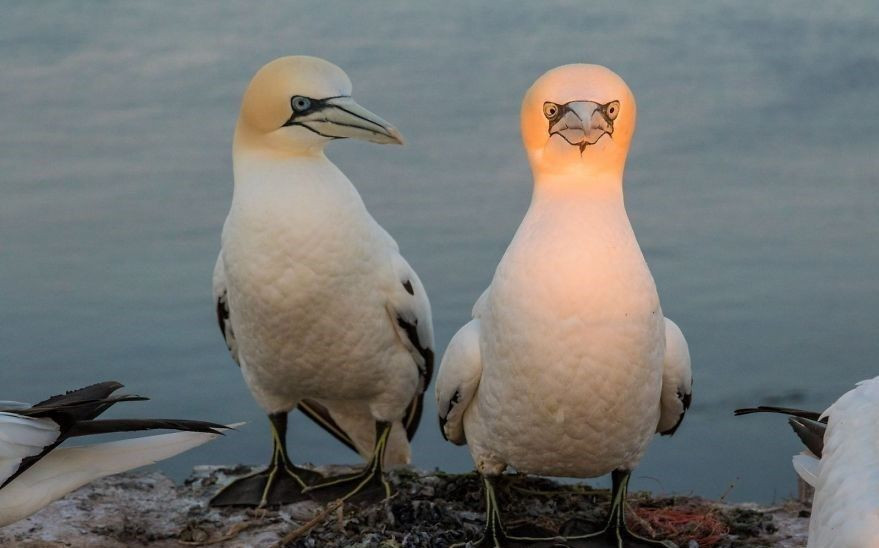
x=811, y=415
x=412, y=417
x=99, y=391
x=810, y=432
x=87, y=428
x=66, y=414
x=75, y=411
x=321, y=415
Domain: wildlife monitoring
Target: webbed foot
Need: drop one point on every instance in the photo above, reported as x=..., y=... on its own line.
x=365, y=487
x=280, y=483
x=495, y=535
x=577, y=533
x=275, y=485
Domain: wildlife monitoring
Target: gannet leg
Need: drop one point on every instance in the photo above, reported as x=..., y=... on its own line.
x=280, y=483
x=615, y=533
x=495, y=535
x=367, y=486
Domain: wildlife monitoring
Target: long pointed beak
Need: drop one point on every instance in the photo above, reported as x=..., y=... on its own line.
x=344, y=118
x=581, y=123
x=590, y=113
x=572, y=126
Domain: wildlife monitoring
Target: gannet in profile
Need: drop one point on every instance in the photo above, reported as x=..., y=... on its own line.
x=316, y=303
x=568, y=367
x=33, y=473
x=842, y=463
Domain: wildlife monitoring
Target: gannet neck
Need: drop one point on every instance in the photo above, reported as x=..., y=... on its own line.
x=557, y=161
x=293, y=192
x=570, y=221
x=275, y=171
x=601, y=187
x=270, y=146
x=265, y=165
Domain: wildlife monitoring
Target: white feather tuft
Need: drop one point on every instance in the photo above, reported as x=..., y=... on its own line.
x=808, y=467
x=66, y=469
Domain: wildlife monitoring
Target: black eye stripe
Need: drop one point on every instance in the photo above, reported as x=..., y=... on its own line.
x=314, y=105
x=608, y=111
x=553, y=111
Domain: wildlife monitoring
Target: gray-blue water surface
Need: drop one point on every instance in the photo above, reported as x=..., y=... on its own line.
x=752, y=186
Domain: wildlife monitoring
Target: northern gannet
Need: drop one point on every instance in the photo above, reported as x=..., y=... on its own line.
x=568, y=367
x=34, y=472
x=315, y=302
x=841, y=462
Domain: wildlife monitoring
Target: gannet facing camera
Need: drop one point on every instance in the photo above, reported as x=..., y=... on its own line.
x=314, y=300
x=568, y=367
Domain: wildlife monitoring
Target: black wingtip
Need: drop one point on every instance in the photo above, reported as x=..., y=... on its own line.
x=416, y=407
x=322, y=417
x=671, y=431
x=97, y=391
x=686, y=400
x=745, y=411
x=130, y=397
x=811, y=415
x=442, y=425
x=108, y=386
x=75, y=412
x=413, y=416
x=86, y=428
x=810, y=432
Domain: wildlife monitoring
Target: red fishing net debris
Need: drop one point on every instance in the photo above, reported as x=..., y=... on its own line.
x=682, y=524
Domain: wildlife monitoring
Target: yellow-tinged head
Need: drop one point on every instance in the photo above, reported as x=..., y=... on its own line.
x=578, y=119
x=297, y=104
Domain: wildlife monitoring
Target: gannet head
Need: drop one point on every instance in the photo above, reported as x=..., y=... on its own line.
x=297, y=104
x=578, y=118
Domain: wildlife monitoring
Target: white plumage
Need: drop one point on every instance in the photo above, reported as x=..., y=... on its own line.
x=845, y=508
x=69, y=468
x=677, y=380
x=561, y=360
x=34, y=472
x=317, y=305
x=315, y=287
x=22, y=437
x=568, y=367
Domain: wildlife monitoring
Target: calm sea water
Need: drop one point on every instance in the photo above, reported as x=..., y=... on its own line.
x=752, y=186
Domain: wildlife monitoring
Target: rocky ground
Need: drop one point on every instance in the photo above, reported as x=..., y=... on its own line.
x=429, y=509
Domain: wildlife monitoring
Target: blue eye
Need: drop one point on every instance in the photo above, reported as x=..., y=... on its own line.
x=300, y=104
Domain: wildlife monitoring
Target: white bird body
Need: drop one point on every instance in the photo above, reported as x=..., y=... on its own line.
x=311, y=279
x=69, y=468
x=569, y=340
x=565, y=370
x=573, y=340
x=845, y=507
x=316, y=303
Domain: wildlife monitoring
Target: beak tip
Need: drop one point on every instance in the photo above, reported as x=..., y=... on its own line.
x=396, y=136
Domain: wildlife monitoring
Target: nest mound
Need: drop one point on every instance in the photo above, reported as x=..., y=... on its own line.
x=428, y=509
